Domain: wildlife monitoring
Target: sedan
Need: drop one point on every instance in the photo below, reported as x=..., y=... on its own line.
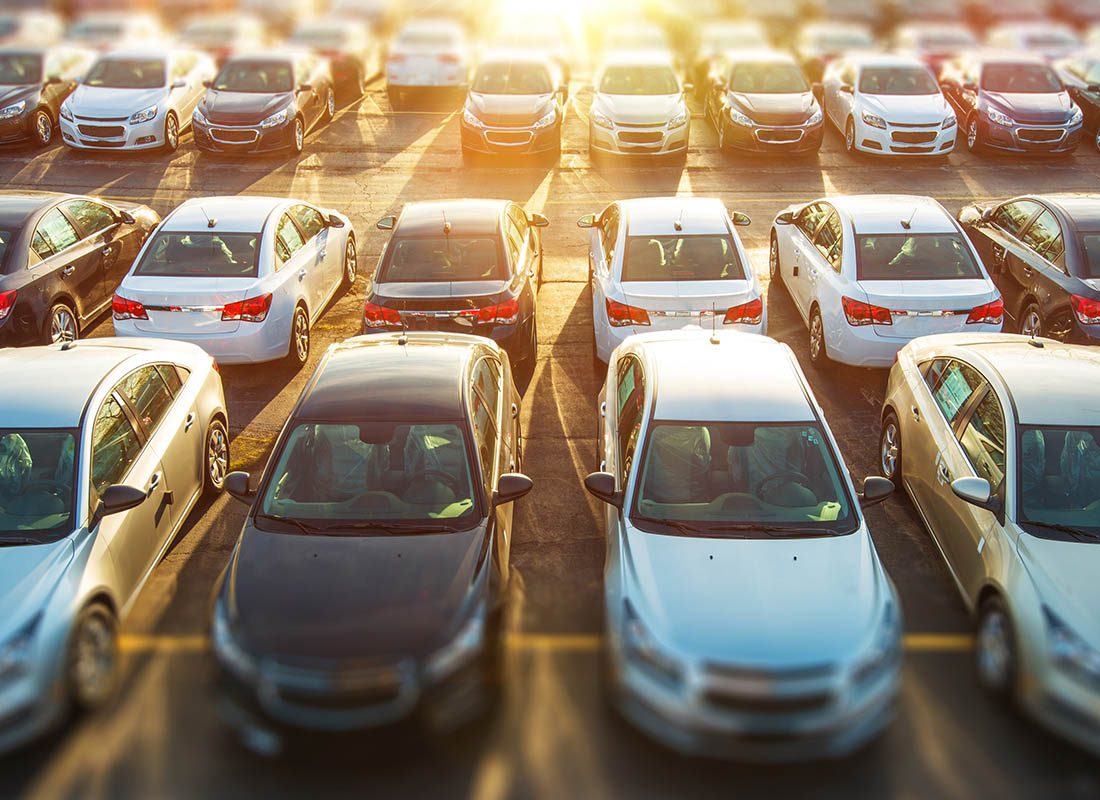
x=427, y=56
x=135, y=100
x=820, y=43
x=105, y=448
x=1080, y=74
x=933, y=43
x=25, y=27
x=107, y=30
x=639, y=107
x=1048, y=39
x=222, y=36
x=245, y=278
x=350, y=47
x=34, y=82
x=997, y=442
x=370, y=580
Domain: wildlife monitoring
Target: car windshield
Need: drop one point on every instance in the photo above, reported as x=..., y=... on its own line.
x=265, y=77
x=20, y=69
x=947, y=40
x=127, y=73
x=201, y=255
x=918, y=256
x=96, y=31
x=639, y=79
x=737, y=478
x=1020, y=79
x=768, y=78
x=897, y=81
x=681, y=258
x=1090, y=246
x=1051, y=39
x=1059, y=480
x=401, y=472
x=427, y=38
x=508, y=77
x=444, y=258
x=36, y=484
x=211, y=34
x=839, y=40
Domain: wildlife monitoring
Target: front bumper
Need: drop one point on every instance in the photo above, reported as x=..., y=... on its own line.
x=1030, y=138
x=521, y=141
x=906, y=140
x=27, y=710
x=91, y=134
x=214, y=138
x=19, y=129
x=656, y=139
x=775, y=138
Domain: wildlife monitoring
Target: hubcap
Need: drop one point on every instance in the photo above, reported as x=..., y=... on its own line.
x=62, y=326
x=301, y=337
x=94, y=659
x=173, y=132
x=299, y=135
x=972, y=135
x=994, y=651
x=773, y=259
x=1098, y=140
x=349, y=261
x=218, y=456
x=1032, y=326
x=815, y=337
x=850, y=137
x=889, y=450
x=44, y=128
x=331, y=104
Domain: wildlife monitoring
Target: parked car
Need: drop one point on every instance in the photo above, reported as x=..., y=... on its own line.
x=25, y=27
x=1081, y=14
x=1050, y=40
x=919, y=11
x=398, y=517
x=1043, y=252
x=820, y=43
x=461, y=266
x=281, y=16
x=638, y=107
x=664, y=263
x=516, y=104
x=867, y=273
x=1080, y=74
x=135, y=100
x=34, y=82
x=265, y=102
x=222, y=36
x=1012, y=102
x=933, y=43
x=350, y=47
x=984, y=14
x=634, y=36
x=111, y=30
x=104, y=450
x=890, y=105
x=63, y=256
x=997, y=442
x=717, y=37
x=760, y=101
x=851, y=12
x=244, y=278
x=720, y=504
x=427, y=56
x=543, y=37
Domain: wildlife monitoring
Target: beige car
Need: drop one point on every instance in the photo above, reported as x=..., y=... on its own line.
x=996, y=438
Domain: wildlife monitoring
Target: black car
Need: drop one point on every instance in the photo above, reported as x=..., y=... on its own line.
x=349, y=47
x=260, y=103
x=1081, y=75
x=368, y=584
x=34, y=82
x=1043, y=252
x=61, y=257
x=463, y=266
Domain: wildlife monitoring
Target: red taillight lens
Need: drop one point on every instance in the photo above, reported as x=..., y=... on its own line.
x=1085, y=309
x=991, y=313
x=749, y=313
x=396, y=58
x=254, y=309
x=506, y=313
x=619, y=315
x=124, y=308
x=448, y=58
x=860, y=313
x=376, y=316
x=7, y=303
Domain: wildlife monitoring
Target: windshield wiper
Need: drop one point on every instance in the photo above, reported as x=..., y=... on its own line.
x=1076, y=533
x=12, y=541
x=382, y=525
x=304, y=527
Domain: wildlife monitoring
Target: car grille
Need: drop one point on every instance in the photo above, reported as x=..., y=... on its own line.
x=104, y=131
x=640, y=124
x=745, y=704
x=1040, y=134
x=778, y=135
x=914, y=124
x=640, y=137
x=345, y=688
x=508, y=137
x=913, y=137
x=234, y=136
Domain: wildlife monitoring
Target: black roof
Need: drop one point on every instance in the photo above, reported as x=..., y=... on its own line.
x=466, y=217
x=1082, y=210
x=16, y=207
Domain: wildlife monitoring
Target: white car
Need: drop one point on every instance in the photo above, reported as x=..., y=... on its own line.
x=638, y=107
x=136, y=100
x=427, y=55
x=890, y=105
x=747, y=612
x=870, y=272
x=1048, y=39
x=30, y=27
x=244, y=278
x=997, y=441
x=105, y=30
x=665, y=263
x=224, y=35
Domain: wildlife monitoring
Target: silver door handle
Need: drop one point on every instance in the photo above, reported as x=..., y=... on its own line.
x=515, y=411
x=324, y=253
x=69, y=270
x=916, y=413
x=942, y=474
x=603, y=409
x=301, y=275
x=187, y=423
x=154, y=482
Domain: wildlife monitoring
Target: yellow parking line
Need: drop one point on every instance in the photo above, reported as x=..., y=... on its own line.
x=938, y=642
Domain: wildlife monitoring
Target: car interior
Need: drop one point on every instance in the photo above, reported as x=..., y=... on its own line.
x=36, y=479
x=1060, y=476
x=226, y=255
x=681, y=258
x=447, y=258
x=926, y=256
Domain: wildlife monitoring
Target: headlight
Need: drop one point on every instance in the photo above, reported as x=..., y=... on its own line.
x=950, y=122
x=1070, y=652
x=997, y=117
x=457, y=653
x=471, y=119
x=200, y=117
x=278, y=118
x=874, y=120
x=885, y=650
x=1074, y=118
x=643, y=651
x=601, y=121
x=548, y=119
x=679, y=120
x=740, y=119
x=66, y=114
x=145, y=115
x=230, y=654
x=14, y=110
x=15, y=652
x=816, y=117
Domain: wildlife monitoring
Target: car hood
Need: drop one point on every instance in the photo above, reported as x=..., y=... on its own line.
x=97, y=101
x=769, y=601
x=646, y=109
x=13, y=94
x=243, y=108
x=28, y=573
x=1053, y=108
x=908, y=109
x=509, y=109
x=350, y=597
x=1064, y=574
x=776, y=109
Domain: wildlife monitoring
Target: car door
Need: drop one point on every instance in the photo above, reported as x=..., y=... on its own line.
x=623, y=424
x=1002, y=251
x=64, y=264
x=1081, y=76
x=483, y=401
x=320, y=260
x=601, y=260
x=299, y=278
x=518, y=233
x=1043, y=273
x=109, y=242
x=826, y=281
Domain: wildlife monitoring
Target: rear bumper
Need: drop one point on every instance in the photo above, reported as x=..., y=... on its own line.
x=513, y=339
x=251, y=343
x=860, y=346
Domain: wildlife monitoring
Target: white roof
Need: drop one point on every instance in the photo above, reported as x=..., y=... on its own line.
x=657, y=216
x=862, y=60
x=236, y=214
x=641, y=58
x=884, y=213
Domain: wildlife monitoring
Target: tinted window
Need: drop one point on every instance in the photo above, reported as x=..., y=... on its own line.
x=681, y=258
x=115, y=447
x=952, y=383
x=515, y=240
x=1059, y=480
x=446, y=258
x=767, y=78
x=5, y=240
x=36, y=482
x=127, y=73
x=484, y=401
x=639, y=79
x=609, y=231
x=631, y=399
x=1011, y=217
x=147, y=392
x=308, y=219
x=1020, y=79
x=983, y=439
x=897, y=81
x=20, y=69
x=923, y=256
x=173, y=377
x=40, y=248
x=829, y=241
x=810, y=217
x=513, y=78
x=288, y=240
x=57, y=231
x=201, y=255
x=265, y=77
x=1044, y=236
x=91, y=217
x=1090, y=247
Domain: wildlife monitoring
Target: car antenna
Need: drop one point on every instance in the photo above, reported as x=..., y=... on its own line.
x=679, y=223
x=713, y=323
x=1033, y=341
x=908, y=223
x=210, y=221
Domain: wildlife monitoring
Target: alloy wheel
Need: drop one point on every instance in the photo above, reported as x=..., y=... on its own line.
x=330, y=104
x=1097, y=140
x=299, y=136
x=93, y=658
x=43, y=128
x=889, y=448
x=172, y=132
x=773, y=259
x=972, y=135
x=817, y=337
x=1032, y=322
x=300, y=336
x=217, y=455
x=850, y=137
x=350, y=262
x=62, y=325
x=994, y=650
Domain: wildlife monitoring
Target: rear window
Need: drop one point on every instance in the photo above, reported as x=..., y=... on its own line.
x=446, y=258
x=681, y=258
x=1090, y=246
x=922, y=256
x=201, y=255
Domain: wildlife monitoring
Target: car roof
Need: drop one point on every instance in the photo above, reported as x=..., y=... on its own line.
x=466, y=217
x=639, y=58
x=657, y=216
x=885, y=213
x=1083, y=210
x=885, y=60
x=231, y=214
x=514, y=55
x=16, y=207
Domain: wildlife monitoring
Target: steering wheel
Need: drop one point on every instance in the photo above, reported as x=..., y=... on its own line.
x=49, y=485
x=437, y=475
x=790, y=477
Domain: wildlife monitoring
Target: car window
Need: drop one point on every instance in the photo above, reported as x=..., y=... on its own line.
x=952, y=384
x=484, y=400
x=173, y=377
x=428, y=259
x=288, y=240
x=702, y=257
x=609, y=232
x=1011, y=217
x=630, y=387
x=810, y=217
x=1044, y=236
x=91, y=217
x=40, y=249
x=201, y=254
x=309, y=220
x=515, y=241
x=57, y=231
x=983, y=440
x=149, y=395
x=829, y=241
x=115, y=446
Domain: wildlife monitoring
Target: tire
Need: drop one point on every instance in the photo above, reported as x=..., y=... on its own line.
x=171, y=133
x=351, y=263
x=1031, y=320
x=1096, y=140
x=298, y=139
x=215, y=458
x=42, y=128
x=330, y=106
x=774, y=271
x=889, y=448
x=819, y=352
x=995, y=649
x=91, y=658
x=298, y=347
x=61, y=325
x=721, y=125
x=850, y=138
x=973, y=135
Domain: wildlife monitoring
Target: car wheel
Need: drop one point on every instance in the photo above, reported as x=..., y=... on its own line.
x=773, y=261
x=330, y=106
x=171, y=133
x=351, y=263
x=973, y=135
x=217, y=457
x=850, y=137
x=61, y=325
x=889, y=448
x=91, y=662
x=819, y=353
x=1096, y=141
x=995, y=649
x=299, y=141
x=1031, y=321
x=298, y=353
x=721, y=125
x=43, y=128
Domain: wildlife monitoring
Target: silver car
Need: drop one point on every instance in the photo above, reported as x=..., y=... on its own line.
x=105, y=446
x=748, y=614
x=996, y=438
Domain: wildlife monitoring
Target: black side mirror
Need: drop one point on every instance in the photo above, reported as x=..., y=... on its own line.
x=334, y=221
x=587, y=221
x=118, y=498
x=126, y=218
x=538, y=220
x=236, y=483
x=601, y=485
x=875, y=490
x=511, y=487
x=740, y=219
x=785, y=218
x=386, y=223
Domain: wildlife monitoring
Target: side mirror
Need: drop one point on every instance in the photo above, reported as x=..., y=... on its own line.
x=875, y=490
x=601, y=485
x=178, y=85
x=538, y=220
x=979, y=493
x=305, y=87
x=511, y=487
x=785, y=218
x=208, y=84
x=587, y=221
x=334, y=221
x=118, y=498
x=689, y=87
x=126, y=218
x=386, y=223
x=236, y=483
x=740, y=219
x=847, y=88
x=987, y=215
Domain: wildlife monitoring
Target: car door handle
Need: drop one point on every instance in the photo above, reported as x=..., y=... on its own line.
x=1028, y=271
x=943, y=475
x=154, y=482
x=301, y=274
x=69, y=270
x=916, y=413
x=324, y=253
x=515, y=411
x=106, y=251
x=187, y=423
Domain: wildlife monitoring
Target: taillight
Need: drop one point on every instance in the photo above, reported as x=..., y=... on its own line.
x=448, y=58
x=7, y=303
x=124, y=308
x=396, y=58
x=506, y=313
x=749, y=313
x=214, y=365
x=1085, y=309
x=376, y=316
x=860, y=313
x=254, y=309
x=991, y=313
x=619, y=315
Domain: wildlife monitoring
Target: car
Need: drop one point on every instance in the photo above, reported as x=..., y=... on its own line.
x=665, y=263
x=634, y=36
x=265, y=102
x=135, y=100
x=1080, y=74
x=428, y=55
x=638, y=107
x=761, y=102
x=540, y=36
x=1044, y=254
x=721, y=503
x=105, y=448
x=244, y=278
x=281, y=16
x=818, y=44
x=516, y=105
x=27, y=27
x=717, y=37
x=888, y=105
x=350, y=47
x=933, y=43
x=852, y=12
x=462, y=266
x=398, y=516
x=984, y=14
x=1012, y=103
x=221, y=36
x=867, y=273
x=108, y=30
x=996, y=439
x=1080, y=14
x=63, y=256
x=1050, y=40
x=34, y=82
x=937, y=11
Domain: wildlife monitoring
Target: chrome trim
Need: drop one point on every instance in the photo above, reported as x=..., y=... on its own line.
x=487, y=135
x=213, y=135
x=801, y=129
